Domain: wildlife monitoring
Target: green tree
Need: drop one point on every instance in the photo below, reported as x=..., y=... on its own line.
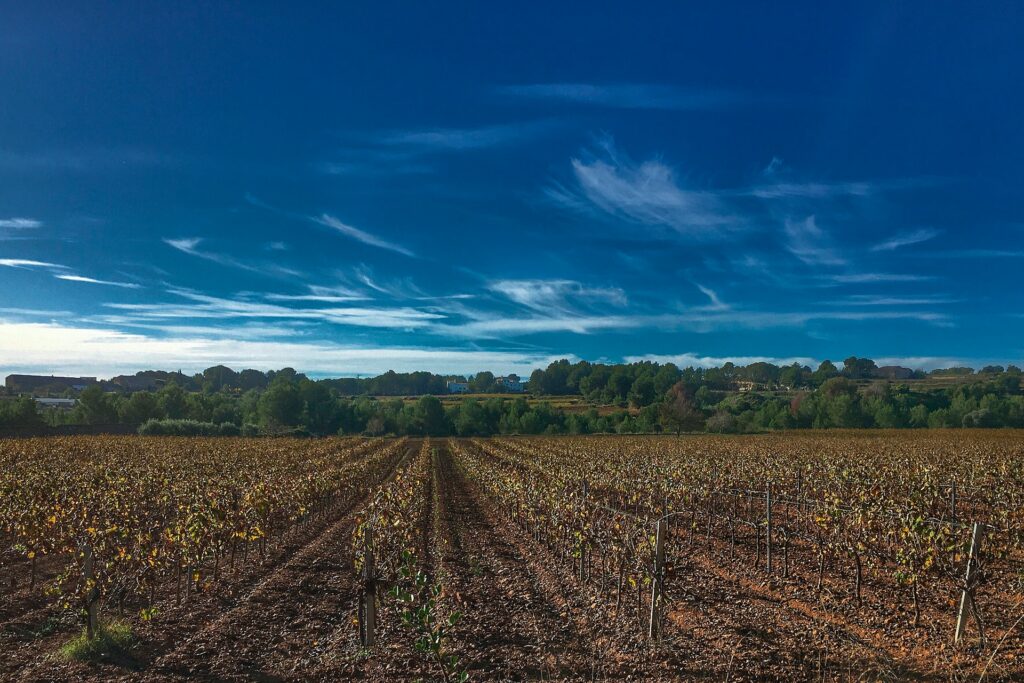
x=96, y=407
x=667, y=375
x=919, y=416
x=844, y=411
x=471, y=419
x=430, y=413
x=825, y=371
x=139, y=407
x=794, y=376
x=642, y=392
x=281, y=405
x=859, y=368
x=218, y=377
x=678, y=411
x=20, y=413
x=482, y=383
x=172, y=400
x=322, y=413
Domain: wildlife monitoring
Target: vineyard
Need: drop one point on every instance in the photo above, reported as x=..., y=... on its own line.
x=818, y=556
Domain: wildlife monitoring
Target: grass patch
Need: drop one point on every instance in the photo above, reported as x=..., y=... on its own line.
x=112, y=641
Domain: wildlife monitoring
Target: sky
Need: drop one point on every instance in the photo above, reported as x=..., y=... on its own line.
x=348, y=188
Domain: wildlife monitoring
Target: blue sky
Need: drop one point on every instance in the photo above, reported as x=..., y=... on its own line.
x=351, y=189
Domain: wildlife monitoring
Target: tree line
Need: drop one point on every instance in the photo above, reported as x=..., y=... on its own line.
x=630, y=398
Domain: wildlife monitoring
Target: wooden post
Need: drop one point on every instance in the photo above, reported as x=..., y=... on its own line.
x=658, y=581
x=582, y=544
x=967, y=595
x=952, y=499
x=768, y=526
x=92, y=592
x=369, y=610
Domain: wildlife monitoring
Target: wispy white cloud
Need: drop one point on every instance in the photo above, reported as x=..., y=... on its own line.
x=694, y=360
x=810, y=190
x=627, y=95
x=460, y=139
x=362, y=235
x=716, y=303
x=809, y=243
x=555, y=295
x=321, y=298
x=204, y=306
x=648, y=193
x=876, y=300
x=393, y=288
x=323, y=294
x=335, y=290
x=906, y=239
x=19, y=223
x=974, y=253
x=190, y=246
x=406, y=152
x=19, y=313
x=773, y=168
x=94, y=281
x=868, y=278
x=255, y=331
x=697, y=320
x=185, y=244
x=924, y=362
x=83, y=349
x=96, y=351
x=28, y=263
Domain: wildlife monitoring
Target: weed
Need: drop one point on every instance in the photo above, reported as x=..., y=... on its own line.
x=112, y=640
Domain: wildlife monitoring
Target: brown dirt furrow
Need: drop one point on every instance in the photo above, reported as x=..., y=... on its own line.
x=394, y=656
x=731, y=628
x=822, y=636
x=514, y=625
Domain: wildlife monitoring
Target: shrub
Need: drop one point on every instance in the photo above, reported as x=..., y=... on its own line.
x=722, y=423
x=187, y=428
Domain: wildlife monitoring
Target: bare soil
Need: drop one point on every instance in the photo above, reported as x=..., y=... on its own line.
x=525, y=615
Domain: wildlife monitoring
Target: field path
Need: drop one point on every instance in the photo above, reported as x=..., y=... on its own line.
x=514, y=624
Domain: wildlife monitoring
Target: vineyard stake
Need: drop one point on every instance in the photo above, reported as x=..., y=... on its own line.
x=92, y=593
x=967, y=594
x=768, y=527
x=657, y=584
x=583, y=544
x=952, y=499
x=369, y=591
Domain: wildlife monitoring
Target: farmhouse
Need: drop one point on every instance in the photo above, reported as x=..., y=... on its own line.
x=57, y=403
x=511, y=383
x=132, y=383
x=458, y=387
x=27, y=384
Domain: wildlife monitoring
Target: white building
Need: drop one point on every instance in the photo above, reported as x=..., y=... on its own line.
x=58, y=403
x=458, y=387
x=511, y=383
